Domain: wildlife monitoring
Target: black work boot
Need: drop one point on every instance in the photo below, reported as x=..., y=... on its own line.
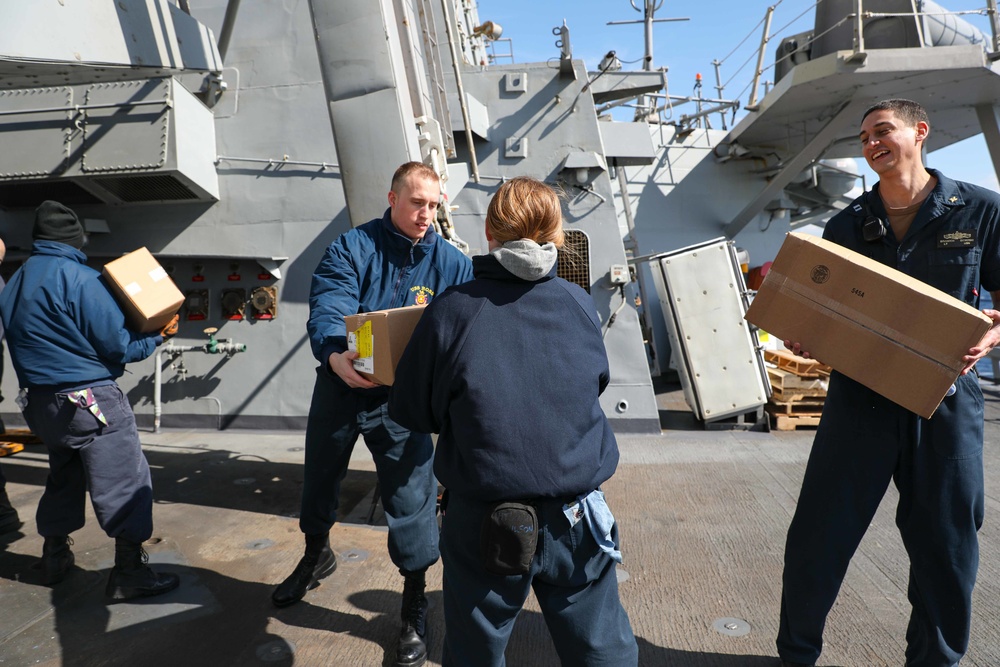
x=318, y=562
x=132, y=578
x=57, y=559
x=9, y=520
x=412, y=649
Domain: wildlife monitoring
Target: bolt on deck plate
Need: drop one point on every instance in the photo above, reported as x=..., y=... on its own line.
x=732, y=627
x=354, y=555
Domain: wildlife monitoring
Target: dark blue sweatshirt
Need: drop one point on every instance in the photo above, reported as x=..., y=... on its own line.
x=509, y=372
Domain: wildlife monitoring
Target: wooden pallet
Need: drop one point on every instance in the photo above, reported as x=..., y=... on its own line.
x=792, y=422
x=785, y=360
x=8, y=448
x=782, y=397
x=21, y=435
x=806, y=407
x=790, y=415
x=788, y=386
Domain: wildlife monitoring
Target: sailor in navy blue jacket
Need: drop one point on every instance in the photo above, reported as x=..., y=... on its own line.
x=393, y=261
x=946, y=234
x=68, y=343
x=64, y=328
x=374, y=267
x=509, y=369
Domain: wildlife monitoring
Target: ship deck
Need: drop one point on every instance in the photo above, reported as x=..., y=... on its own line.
x=703, y=515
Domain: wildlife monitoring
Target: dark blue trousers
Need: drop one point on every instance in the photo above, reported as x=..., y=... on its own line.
x=85, y=454
x=573, y=580
x=863, y=442
x=403, y=463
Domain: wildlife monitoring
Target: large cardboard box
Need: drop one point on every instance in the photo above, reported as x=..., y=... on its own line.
x=380, y=338
x=147, y=295
x=890, y=332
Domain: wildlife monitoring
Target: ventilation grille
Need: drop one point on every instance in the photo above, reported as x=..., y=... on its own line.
x=160, y=187
x=574, y=259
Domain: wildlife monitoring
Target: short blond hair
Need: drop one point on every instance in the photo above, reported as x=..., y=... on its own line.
x=525, y=208
x=415, y=170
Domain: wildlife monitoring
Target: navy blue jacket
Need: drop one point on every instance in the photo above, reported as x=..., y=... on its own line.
x=953, y=242
x=509, y=373
x=374, y=267
x=64, y=329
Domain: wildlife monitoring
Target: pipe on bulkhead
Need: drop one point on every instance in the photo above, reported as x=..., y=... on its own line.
x=232, y=9
x=213, y=346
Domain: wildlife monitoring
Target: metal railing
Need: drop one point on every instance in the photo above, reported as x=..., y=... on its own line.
x=857, y=19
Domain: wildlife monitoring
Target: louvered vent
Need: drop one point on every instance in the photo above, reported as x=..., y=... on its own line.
x=160, y=187
x=574, y=259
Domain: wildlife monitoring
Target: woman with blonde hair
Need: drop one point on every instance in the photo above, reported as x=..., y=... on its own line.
x=508, y=368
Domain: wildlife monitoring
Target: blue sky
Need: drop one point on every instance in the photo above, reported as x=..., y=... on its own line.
x=714, y=32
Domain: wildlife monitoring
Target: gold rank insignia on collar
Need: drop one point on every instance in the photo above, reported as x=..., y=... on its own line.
x=953, y=199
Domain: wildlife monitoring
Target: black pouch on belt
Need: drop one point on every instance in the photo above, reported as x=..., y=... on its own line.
x=508, y=539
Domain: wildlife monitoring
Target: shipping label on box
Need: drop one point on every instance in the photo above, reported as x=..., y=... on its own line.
x=379, y=338
x=889, y=331
x=362, y=341
x=146, y=294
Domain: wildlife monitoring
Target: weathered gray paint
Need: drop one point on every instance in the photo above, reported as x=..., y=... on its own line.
x=281, y=194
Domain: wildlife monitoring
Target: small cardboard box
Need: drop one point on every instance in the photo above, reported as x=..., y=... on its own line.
x=892, y=333
x=146, y=294
x=380, y=338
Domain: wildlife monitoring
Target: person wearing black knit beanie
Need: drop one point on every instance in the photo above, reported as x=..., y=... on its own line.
x=68, y=344
x=56, y=222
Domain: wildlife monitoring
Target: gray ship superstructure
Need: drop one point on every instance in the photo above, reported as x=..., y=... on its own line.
x=236, y=140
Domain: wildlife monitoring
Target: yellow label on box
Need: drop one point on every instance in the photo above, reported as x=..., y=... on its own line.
x=364, y=339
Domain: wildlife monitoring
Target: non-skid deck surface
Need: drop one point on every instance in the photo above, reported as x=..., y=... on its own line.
x=703, y=516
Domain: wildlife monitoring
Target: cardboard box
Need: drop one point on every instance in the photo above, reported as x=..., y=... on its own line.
x=892, y=333
x=144, y=291
x=380, y=338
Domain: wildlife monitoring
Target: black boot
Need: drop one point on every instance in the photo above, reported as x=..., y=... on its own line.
x=318, y=562
x=132, y=578
x=9, y=520
x=412, y=649
x=56, y=559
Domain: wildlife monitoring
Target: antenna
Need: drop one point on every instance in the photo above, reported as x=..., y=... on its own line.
x=648, y=12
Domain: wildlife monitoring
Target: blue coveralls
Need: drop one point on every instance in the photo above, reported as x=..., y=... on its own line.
x=373, y=267
x=573, y=580
x=3, y=480
x=865, y=440
x=86, y=454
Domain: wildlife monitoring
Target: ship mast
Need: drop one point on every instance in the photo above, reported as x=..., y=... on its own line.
x=645, y=105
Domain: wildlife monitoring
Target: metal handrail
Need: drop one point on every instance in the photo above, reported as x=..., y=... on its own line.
x=86, y=107
x=473, y=160
x=858, y=18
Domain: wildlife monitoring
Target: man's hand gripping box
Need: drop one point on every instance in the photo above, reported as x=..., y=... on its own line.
x=380, y=337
